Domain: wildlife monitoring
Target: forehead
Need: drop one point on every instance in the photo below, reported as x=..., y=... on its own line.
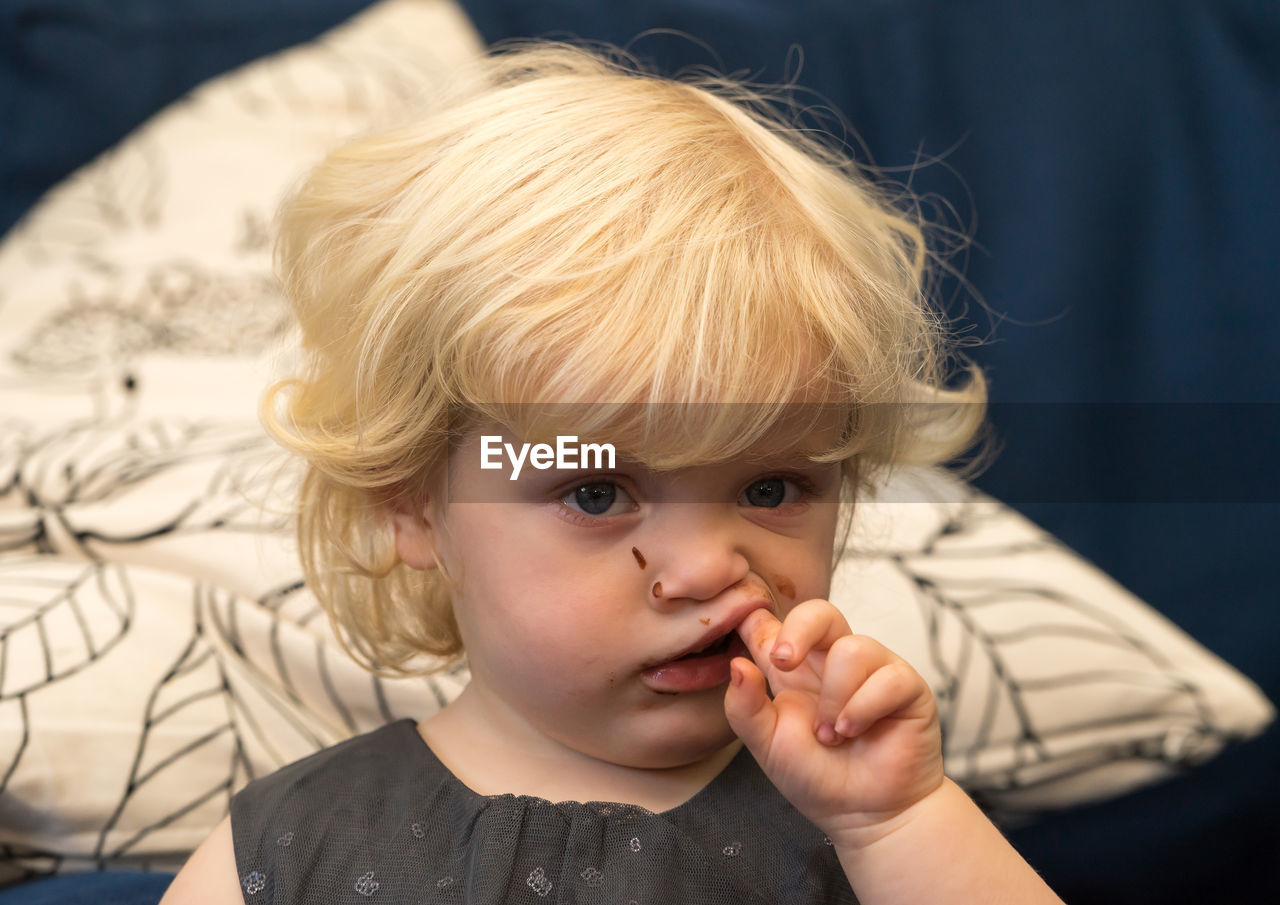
x=802, y=431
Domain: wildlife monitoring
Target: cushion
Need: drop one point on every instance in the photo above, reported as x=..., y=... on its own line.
x=157, y=646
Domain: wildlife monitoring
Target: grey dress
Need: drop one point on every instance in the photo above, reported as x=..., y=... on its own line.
x=379, y=819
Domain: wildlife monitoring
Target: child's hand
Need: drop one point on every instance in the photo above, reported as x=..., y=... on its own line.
x=851, y=737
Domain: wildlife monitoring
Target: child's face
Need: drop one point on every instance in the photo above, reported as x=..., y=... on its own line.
x=577, y=589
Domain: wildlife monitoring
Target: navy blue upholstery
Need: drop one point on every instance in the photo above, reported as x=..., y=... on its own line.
x=91, y=889
x=77, y=75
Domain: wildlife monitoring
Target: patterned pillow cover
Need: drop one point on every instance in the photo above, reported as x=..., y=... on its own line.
x=157, y=647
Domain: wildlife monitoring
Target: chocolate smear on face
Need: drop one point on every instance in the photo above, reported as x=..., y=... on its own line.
x=639, y=557
x=786, y=587
x=705, y=620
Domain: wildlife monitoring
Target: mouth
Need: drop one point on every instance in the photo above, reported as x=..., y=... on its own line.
x=717, y=646
x=719, y=637
x=713, y=642
x=704, y=664
x=702, y=668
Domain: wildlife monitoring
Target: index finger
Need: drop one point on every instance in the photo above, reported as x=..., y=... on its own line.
x=757, y=632
x=814, y=625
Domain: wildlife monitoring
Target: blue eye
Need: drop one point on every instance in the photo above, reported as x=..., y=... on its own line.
x=770, y=493
x=597, y=498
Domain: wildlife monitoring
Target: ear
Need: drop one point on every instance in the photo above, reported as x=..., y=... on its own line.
x=415, y=534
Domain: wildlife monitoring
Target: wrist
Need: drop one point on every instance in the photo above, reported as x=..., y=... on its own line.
x=942, y=849
x=863, y=832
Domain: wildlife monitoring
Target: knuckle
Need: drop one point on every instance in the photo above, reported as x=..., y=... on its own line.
x=903, y=682
x=843, y=658
x=896, y=681
x=856, y=647
x=818, y=608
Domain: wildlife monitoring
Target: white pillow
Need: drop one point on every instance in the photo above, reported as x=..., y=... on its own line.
x=1056, y=685
x=156, y=647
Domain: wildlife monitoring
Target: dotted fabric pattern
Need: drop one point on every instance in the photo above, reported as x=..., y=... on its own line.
x=380, y=819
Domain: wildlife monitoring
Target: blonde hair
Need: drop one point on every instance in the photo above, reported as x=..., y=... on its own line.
x=571, y=231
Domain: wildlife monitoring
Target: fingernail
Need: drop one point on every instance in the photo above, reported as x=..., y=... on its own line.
x=735, y=674
x=844, y=726
x=782, y=651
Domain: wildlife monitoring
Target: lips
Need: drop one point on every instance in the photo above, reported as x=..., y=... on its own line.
x=714, y=647
x=714, y=638
x=699, y=669
x=704, y=663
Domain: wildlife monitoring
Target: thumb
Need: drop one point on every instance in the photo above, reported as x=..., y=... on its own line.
x=752, y=715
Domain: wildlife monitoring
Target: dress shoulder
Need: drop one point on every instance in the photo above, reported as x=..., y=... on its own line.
x=310, y=824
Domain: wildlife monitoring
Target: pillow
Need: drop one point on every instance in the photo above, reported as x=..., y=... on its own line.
x=157, y=646
x=1056, y=686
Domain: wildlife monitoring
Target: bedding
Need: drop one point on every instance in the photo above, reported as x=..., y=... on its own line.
x=157, y=646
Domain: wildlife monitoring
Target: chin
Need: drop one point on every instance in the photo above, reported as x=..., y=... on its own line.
x=665, y=740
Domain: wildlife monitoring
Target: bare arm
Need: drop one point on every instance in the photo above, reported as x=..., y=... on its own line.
x=944, y=850
x=209, y=876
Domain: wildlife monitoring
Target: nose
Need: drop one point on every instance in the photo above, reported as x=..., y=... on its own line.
x=697, y=558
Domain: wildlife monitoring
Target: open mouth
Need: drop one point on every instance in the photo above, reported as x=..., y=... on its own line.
x=719, y=646
x=701, y=669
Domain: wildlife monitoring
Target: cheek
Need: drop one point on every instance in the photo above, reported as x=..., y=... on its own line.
x=803, y=577
x=549, y=663
x=539, y=619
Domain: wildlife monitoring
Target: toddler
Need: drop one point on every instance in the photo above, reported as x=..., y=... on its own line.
x=595, y=364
